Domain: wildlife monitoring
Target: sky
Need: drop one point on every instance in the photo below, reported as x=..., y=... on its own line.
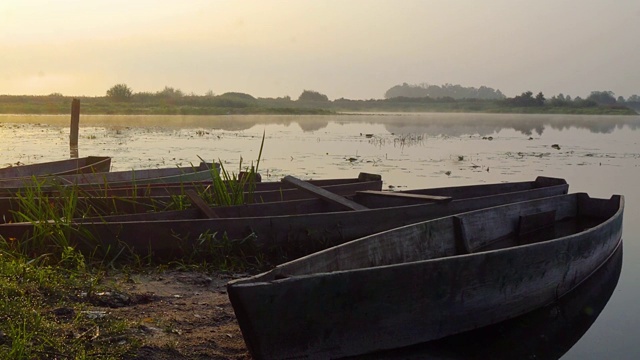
x=354, y=49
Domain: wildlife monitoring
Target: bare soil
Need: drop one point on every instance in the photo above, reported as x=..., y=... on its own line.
x=176, y=315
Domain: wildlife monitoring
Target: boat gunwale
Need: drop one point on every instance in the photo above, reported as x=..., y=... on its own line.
x=380, y=209
x=550, y=242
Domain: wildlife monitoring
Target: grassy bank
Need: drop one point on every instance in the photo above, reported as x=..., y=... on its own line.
x=46, y=307
x=246, y=104
x=55, y=300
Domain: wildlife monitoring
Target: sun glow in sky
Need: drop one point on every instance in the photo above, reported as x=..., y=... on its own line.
x=355, y=49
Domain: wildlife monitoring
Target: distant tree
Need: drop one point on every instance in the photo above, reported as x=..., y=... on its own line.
x=456, y=92
x=559, y=100
x=310, y=95
x=540, y=99
x=633, y=98
x=602, y=97
x=56, y=94
x=120, y=92
x=525, y=99
x=170, y=92
x=620, y=99
x=238, y=96
x=580, y=102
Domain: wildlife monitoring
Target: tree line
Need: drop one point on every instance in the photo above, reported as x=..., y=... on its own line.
x=456, y=92
x=123, y=92
x=399, y=93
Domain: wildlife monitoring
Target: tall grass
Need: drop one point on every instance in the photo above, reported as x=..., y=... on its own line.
x=229, y=188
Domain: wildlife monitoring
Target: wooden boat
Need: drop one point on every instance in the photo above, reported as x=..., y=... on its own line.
x=288, y=200
x=90, y=164
x=92, y=204
x=427, y=280
x=281, y=231
x=167, y=189
x=130, y=178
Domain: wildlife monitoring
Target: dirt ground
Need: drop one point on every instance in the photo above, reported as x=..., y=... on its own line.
x=179, y=315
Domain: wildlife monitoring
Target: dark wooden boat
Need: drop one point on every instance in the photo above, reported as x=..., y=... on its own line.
x=168, y=189
x=128, y=178
x=95, y=204
x=427, y=280
x=89, y=164
x=281, y=201
x=281, y=231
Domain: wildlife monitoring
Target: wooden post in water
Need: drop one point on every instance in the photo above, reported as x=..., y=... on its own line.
x=75, y=124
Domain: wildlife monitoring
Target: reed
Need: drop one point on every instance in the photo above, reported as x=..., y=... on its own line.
x=228, y=188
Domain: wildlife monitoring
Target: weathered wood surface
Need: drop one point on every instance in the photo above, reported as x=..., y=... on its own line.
x=89, y=164
x=421, y=197
x=128, y=189
x=151, y=207
x=279, y=238
x=546, y=335
x=323, y=194
x=409, y=285
x=465, y=192
x=292, y=202
x=201, y=205
x=75, y=123
x=117, y=178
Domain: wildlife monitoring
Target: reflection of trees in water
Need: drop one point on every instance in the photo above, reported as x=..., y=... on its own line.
x=485, y=124
x=448, y=124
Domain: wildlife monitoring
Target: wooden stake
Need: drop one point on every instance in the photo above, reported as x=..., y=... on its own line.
x=75, y=122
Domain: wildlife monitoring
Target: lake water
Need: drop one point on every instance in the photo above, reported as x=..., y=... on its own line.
x=595, y=154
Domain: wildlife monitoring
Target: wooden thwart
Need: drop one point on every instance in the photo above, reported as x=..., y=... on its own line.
x=434, y=198
x=201, y=204
x=323, y=194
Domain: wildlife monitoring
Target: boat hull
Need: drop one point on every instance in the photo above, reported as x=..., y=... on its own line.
x=277, y=238
x=413, y=284
x=90, y=164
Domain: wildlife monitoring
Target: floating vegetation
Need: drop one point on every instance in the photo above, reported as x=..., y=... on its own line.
x=556, y=146
x=401, y=140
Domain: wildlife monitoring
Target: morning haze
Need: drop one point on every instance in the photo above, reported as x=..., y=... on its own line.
x=355, y=49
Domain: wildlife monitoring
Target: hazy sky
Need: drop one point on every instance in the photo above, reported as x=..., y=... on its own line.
x=344, y=48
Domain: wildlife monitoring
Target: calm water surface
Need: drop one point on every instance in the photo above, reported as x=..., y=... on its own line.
x=595, y=154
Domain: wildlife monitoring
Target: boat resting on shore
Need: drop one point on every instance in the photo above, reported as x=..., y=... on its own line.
x=284, y=230
x=83, y=165
x=101, y=179
x=426, y=280
x=96, y=205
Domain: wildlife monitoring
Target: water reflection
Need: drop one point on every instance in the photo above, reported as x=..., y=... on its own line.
x=423, y=123
x=486, y=124
x=546, y=333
